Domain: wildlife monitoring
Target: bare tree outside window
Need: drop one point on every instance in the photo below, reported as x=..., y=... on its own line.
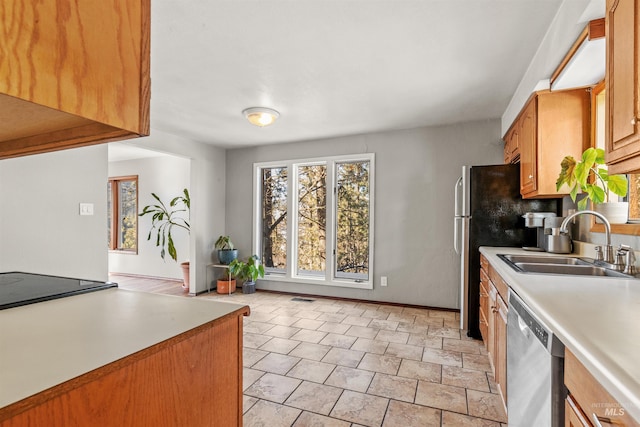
x=122, y=221
x=274, y=218
x=312, y=219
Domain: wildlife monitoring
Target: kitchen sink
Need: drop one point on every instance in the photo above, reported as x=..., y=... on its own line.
x=559, y=265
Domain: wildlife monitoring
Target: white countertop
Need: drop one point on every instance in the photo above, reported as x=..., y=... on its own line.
x=48, y=343
x=597, y=318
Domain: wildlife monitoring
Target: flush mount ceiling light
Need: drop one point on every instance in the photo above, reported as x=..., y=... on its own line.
x=261, y=116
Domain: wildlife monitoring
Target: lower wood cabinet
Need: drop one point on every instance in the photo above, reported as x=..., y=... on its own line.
x=193, y=379
x=493, y=322
x=588, y=401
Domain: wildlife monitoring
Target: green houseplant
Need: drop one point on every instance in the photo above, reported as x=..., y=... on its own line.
x=248, y=270
x=163, y=219
x=576, y=174
x=226, y=251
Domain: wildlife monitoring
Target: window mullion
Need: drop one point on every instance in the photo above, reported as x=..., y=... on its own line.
x=292, y=225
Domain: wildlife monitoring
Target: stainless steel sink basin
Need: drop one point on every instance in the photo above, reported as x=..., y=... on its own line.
x=559, y=265
x=532, y=259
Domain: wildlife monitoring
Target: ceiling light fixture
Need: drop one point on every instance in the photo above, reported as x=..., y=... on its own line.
x=261, y=116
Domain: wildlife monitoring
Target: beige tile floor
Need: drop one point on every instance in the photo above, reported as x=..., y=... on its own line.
x=342, y=363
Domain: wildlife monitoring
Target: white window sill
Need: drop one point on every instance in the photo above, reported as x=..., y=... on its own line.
x=319, y=282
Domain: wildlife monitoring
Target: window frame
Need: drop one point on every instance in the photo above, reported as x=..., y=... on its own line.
x=290, y=272
x=115, y=243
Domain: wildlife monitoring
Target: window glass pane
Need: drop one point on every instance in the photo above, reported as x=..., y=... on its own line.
x=312, y=220
x=352, y=220
x=109, y=214
x=274, y=218
x=127, y=217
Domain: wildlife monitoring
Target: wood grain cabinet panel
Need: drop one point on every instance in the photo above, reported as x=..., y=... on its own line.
x=194, y=379
x=72, y=73
x=622, y=102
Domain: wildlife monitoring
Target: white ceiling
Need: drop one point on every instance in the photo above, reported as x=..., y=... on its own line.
x=336, y=67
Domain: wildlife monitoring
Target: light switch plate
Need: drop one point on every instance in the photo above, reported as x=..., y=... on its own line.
x=86, y=208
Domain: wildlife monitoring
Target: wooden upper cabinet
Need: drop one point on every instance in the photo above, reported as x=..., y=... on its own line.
x=622, y=132
x=551, y=126
x=512, y=146
x=72, y=73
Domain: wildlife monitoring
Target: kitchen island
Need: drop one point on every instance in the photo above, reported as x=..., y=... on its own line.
x=118, y=357
x=596, y=318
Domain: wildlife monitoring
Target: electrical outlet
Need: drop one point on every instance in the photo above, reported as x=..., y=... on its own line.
x=383, y=281
x=86, y=208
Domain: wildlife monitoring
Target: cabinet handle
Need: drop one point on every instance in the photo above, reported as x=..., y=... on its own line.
x=634, y=121
x=530, y=176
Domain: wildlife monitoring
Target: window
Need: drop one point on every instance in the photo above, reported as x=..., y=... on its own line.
x=122, y=213
x=314, y=220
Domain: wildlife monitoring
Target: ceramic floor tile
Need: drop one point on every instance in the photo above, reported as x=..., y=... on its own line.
x=370, y=346
x=391, y=308
x=282, y=331
x=254, y=340
x=337, y=328
x=308, y=324
x=392, y=336
x=425, y=341
x=443, y=314
x=428, y=321
x=362, y=332
x=451, y=419
x=279, y=345
x=311, y=370
x=389, y=325
x=486, y=405
x=452, y=323
x=261, y=316
x=308, y=314
x=248, y=402
x=444, y=332
x=350, y=378
x=308, y=335
x=275, y=388
x=352, y=311
x=402, y=318
x=314, y=397
x=284, y=320
x=463, y=346
x=251, y=356
x=478, y=362
x=375, y=314
x=307, y=350
x=424, y=371
x=332, y=317
x=338, y=340
x=270, y=414
x=343, y=357
x=393, y=387
x=356, y=321
x=276, y=363
x=492, y=383
x=440, y=396
x=467, y=378
x=249, y=376
x=360, y=408
x=328, y=308
x=401, y=414
x=443, y=357
x=405, y=351
x=380, y=363
x=412, y=328
x=307, y=419
x=256, y=327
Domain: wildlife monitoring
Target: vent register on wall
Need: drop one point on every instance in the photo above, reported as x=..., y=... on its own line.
x=488, y=212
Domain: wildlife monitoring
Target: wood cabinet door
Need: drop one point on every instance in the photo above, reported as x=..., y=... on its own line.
x=484, y=308
x=573, y=416
x=528, y=149
x=500, y=347
x=622, y=84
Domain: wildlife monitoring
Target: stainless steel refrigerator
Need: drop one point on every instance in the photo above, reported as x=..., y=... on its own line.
x=488, y=212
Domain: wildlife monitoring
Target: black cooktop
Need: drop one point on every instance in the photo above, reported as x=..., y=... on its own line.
x=18, y=289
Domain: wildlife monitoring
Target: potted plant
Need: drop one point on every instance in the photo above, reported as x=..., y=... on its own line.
x=577, y=176
x=248, y=270
x=163, y=220
x=226, y=251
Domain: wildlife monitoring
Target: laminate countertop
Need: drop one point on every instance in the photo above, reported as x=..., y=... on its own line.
x=46, y=344
x=597, y=318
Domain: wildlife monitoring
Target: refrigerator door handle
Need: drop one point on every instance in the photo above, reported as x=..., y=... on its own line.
x=456, y=207
x=456, y=240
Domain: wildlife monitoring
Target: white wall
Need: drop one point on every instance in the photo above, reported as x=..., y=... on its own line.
x=207, y=189
x=415, y=175
x=165, y=176
x=41, y=230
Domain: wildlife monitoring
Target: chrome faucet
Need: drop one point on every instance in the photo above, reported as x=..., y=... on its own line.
x=608, y=250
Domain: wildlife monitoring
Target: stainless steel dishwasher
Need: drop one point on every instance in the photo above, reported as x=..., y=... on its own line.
x=535, y=369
